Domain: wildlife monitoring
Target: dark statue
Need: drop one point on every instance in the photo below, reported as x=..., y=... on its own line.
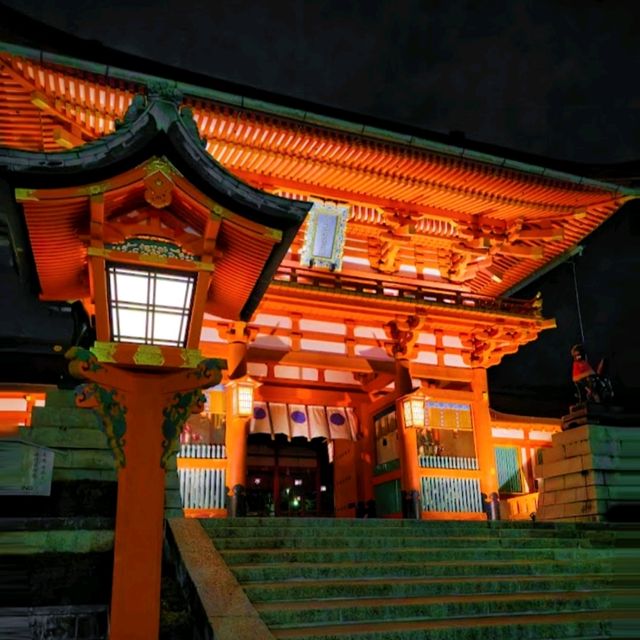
x=591, y=386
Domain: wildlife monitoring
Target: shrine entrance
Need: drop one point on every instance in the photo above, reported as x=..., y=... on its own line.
x=288, y=478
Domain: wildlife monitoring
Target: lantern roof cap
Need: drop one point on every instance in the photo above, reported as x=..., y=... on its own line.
x=157, y=126
x=153, y=126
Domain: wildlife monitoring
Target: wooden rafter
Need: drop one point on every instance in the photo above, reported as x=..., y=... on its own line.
x=483, y=226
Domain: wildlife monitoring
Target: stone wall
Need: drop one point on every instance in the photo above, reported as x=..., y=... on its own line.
x=591, y=473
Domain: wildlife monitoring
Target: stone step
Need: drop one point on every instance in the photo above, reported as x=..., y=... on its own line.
x=60, y=398
x=290, y=590
x=327, y=570
x=70, y=417
x=378, y=542
x=97, y=459
x=411, y=554
x=83, y=474
x=371, y=523
x=350, y=610
x=409, y=580
x=423, y=530
x=65, y=438
x=55, y=541
x=54, y=523
x=583, y=625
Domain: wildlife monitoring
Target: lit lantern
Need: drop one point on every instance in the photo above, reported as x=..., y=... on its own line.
x=242, y=396
x=412, y=410
x=149, y=306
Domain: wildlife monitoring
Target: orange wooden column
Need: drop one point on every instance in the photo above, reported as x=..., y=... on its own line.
x=236, y=445
x=408, y=440
x=139, y=519
x=365, y=461
x=484, y=440
x=142, y=414
x=236, y=434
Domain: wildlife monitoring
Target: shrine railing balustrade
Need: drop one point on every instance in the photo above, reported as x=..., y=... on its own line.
x=458, y=495
x=198, y=450
x=447, y=462
x=202, y=475
x=405, y=291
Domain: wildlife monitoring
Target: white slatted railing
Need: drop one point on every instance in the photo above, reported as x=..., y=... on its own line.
x=448, y=462
x=451, y=494
x=211, y=451
x=202, y=488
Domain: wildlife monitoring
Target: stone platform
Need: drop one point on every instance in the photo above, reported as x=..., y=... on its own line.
x=591, y=473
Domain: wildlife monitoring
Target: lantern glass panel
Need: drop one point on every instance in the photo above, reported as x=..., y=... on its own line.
x=417, y=409
x=149, y=306
x=413, y=412
x=243, y=398
x=166, y=326
x=133, y=322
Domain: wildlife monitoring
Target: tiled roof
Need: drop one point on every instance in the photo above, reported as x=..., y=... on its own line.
x=438, y=192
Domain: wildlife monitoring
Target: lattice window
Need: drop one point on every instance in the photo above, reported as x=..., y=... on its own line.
x=149, y=306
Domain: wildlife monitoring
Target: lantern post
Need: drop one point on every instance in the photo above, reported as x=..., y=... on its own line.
x=144, y=377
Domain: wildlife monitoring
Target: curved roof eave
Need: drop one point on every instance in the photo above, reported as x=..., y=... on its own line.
x=610, y=177
x=161, y=129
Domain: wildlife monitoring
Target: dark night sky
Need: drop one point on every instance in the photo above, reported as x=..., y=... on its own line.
x=549, y=77
x=554, y=77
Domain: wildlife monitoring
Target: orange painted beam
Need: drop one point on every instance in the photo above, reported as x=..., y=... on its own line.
x=297, y=391
x=201, y=463
x=205, y=513
x=453, y=515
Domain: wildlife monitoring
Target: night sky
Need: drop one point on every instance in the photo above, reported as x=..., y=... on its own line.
x=554, y=77
x=551, y=77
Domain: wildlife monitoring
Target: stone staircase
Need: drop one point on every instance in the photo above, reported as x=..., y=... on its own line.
x=397, y=579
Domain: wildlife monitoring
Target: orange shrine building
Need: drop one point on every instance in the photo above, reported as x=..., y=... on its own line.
x=352, y=282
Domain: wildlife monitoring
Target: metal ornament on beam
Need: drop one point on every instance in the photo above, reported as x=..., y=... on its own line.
x=126, y=353
x=182, y=394
x=129, y=257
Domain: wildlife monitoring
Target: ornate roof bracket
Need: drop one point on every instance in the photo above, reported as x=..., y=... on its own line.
x=486, y=346
x=403, y=333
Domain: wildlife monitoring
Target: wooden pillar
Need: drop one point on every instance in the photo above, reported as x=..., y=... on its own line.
x=408, y=440
x=236, y=445
x=236, y=433
x=135, y=601
x=142, y=413
x=365, y=462
x=484, y=441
